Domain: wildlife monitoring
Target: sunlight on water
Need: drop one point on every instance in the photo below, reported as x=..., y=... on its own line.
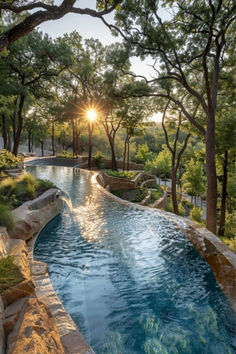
x=131, y=282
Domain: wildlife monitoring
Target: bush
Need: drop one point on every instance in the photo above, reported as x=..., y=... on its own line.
x=9, y=274
x=6, y=218
x=8, y=160
x=196, y=214
x=230, y=225
x=182, y=211
x=66, y=155
x=141, y=195
x=98, y=159
x=155, y=195
x=121, y=174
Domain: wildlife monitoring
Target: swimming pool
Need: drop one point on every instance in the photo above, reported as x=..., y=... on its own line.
x=130, y=281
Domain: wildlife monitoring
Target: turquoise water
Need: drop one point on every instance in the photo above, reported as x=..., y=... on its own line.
x=131, y=282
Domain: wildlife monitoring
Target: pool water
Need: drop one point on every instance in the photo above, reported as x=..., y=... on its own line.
x=130, y=281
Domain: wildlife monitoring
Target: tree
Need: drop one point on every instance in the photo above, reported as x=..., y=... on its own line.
x=30, y=66
x=193, y=178
x=143, y=153
x=45, y=12
x=175, y=150
x=188, y=52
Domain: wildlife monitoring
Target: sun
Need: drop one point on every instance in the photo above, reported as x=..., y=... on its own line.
x=91, y=114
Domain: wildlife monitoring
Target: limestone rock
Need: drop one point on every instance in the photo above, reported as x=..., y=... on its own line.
x=4, y=240
x=12, y=313
x=25, y=288
x=2, y=334
x=31, y=216
x=35, y=332
x=19, y=251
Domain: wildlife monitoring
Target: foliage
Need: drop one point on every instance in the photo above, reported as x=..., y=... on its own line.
x=66, y=155
x=6, y=218
x=196, y=214
x=122, y=174
x=98, y=159
x=155, y=195
x=141, y=195
x=9, y=273
x=230, y=225
x=160, y=165
x=8, y=160
x=143, y=153
x=193, y=178
x=16, y=191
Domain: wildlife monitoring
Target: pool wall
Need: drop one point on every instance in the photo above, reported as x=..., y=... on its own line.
x=218, y=255
x=30, y=218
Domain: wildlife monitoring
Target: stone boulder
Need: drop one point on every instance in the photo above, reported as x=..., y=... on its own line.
x=35, y=331
x=14, y=293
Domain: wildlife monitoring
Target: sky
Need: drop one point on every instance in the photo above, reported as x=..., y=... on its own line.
x=90, y=27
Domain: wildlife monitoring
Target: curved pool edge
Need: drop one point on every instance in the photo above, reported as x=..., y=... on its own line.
x=71, y=338
x=217, y=254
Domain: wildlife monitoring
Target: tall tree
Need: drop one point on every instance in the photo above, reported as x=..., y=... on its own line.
x=188, y=49
x=45, y=11
x=175, y=150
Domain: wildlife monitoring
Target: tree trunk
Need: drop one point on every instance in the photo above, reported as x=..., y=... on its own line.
x=19, y=127
x=42, y=148
x=211, y=175
x=113, y=156
x=4, y=132
x=124, y=155
x=128, y=155
x=53, y=138
x=173, y=190
x=29, y=141
x=90, y=145
x=32, y=143
x=223, y=196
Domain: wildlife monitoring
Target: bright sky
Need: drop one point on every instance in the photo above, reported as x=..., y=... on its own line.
x=90, y=27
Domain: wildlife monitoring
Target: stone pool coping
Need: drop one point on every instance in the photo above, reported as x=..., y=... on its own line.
x=217, y=254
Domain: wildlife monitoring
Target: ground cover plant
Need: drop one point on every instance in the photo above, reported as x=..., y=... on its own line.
x=9, y=274
x=122, y=174
x=16, y=190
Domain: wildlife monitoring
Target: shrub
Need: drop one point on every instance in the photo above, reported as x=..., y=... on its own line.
x=8, y=160
x=6, y=218
x=141, y=195
x=230, y=225
x=121, y=174
x=9, y=274
x=155, y=195
x=66, y=155
x=196, y=214
x=181, y=208
x=25, y=186
x=99, y=160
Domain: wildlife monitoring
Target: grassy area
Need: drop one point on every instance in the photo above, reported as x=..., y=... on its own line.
x=155, y=195
x=122, y=174
x=66, y=155
x=9, y=274
x=6, y=218
x=16, y=190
